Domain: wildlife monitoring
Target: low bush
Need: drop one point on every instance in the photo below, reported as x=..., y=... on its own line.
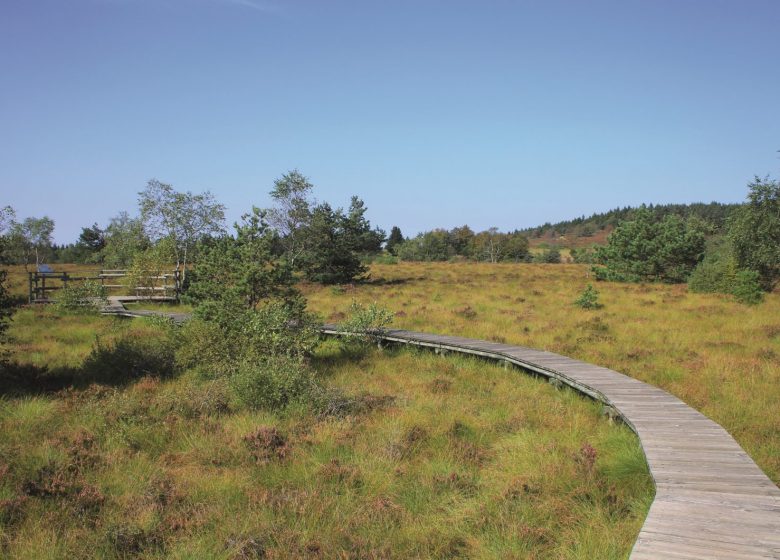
x=719, y=273
x=222, y=343
x=365, y=324
x=131, y=356
x=262, y=353
x=549, y=256
x=585, y=255
x=89, y=297
x=274, y=383
x=713, y=275
x=589, y=298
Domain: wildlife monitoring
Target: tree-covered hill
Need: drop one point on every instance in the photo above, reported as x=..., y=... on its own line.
x=595, y=228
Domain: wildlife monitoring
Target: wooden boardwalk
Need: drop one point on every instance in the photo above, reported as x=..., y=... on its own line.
x=115, y=306
x=712, y=501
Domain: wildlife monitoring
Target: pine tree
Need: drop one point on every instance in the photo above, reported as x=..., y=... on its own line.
x=395, y=239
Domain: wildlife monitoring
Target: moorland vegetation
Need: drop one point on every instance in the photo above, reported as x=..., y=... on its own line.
x=241, y=434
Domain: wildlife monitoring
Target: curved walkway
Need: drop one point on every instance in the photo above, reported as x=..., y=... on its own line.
x=711, y=502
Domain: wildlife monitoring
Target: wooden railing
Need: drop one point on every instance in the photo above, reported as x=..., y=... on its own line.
x=41, y=284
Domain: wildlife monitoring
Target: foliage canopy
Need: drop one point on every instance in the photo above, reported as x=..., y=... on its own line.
x=754, y=230
x=649, y=250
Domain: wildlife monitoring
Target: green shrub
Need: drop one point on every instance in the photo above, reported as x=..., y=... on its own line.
x=145, y=276
x=589, y=298
x=719, y=273
x=747, y=287
x=235, y=336
x=274, y=383
x=131, y=356
x=714, y=274
x=366, y=324
x=549, y=256
x=646, y=249
x=754, y=231
x=585, y=255
x=205, y=348
x=89, y=296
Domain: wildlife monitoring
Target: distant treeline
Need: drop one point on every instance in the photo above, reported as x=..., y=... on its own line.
x=715, y=213
x=440, y=245
x=116, y=245
x=493, y=245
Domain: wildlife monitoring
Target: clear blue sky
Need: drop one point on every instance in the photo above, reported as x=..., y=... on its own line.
x=498, y=113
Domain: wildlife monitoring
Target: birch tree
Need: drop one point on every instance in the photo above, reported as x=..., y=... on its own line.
x=183, y=217
x=292, y=214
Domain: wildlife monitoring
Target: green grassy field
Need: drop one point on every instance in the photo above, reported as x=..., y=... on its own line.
x=448, y=457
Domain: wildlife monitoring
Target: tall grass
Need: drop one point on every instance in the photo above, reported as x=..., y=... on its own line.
x=444, y=457
x=717, y=355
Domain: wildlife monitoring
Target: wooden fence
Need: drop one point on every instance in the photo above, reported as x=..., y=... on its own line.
x=157, y=286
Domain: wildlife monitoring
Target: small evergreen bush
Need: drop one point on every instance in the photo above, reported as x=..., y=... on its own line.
x=589, y=298
x=585, y=255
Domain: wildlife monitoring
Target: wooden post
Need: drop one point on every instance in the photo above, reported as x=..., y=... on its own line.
x=30, y=285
